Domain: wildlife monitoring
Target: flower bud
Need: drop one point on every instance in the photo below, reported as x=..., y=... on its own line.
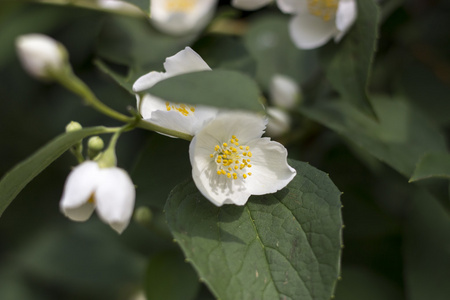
x=284, y=92
x=95, y=146
x=40, y=55
x=143, y=215
x=73, y=126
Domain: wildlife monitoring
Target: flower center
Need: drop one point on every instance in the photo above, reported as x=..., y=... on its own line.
x=185, y=110
x=325, y=9
x=233, y=160
x=180, y=5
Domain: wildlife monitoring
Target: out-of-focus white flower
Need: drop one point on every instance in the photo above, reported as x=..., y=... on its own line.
x=230, y=161
x=284, y=91
x=250, y=4
x=179, y=17
x=40, y=55
x=120, y=6
x=175, y=116
x=110, y=191
x=279, y=122
x=315, y=22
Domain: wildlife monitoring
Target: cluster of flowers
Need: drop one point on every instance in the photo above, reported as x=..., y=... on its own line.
x=230, y=159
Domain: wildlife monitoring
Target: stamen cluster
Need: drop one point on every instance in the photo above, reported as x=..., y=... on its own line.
x=325, y=9
x=232, y=158
x=183, y=109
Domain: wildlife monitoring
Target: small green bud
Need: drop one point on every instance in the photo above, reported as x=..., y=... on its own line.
x=143, y=215
x=73, y=126
x=95, y=146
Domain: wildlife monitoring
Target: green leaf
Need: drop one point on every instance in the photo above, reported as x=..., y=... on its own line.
x=426, y=246
x=222, y=88
x=432, y=165
x=285, y=245
x=170, y=277
x=17, y=178
x=400, y=137
x=347, y=64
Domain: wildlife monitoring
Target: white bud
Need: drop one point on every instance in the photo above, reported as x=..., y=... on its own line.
x=40, y=55
x=279, y=122
x=284, y=91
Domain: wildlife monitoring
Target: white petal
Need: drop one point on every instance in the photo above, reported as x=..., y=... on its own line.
x=191, y=17
x=80, y=185
x=249, y=4
x=245, y=125
x=284, y=91
x=149, y=105
x=309, y=32
x=185, y=61
x=147, y=81
x=292, y=6
x=345, y=17
x=115, y=197
x=270, y=170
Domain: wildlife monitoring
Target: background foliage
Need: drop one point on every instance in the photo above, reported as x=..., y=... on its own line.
x=384, y=146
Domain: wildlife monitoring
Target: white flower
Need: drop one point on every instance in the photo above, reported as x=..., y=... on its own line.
x=110, y=191
x=284, y=91
x=250, y=4
x=40, y=55
x=120, y=6
x=230, y=161
x=315, y=22
x=180, y=117
x=179, y=17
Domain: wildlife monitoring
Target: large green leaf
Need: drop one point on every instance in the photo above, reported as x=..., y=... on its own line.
x=222, y=88
x=432, y=165
x=347, y=64
x=426, y=250
x=285, y=245
x=16, y=179
x=400, y=137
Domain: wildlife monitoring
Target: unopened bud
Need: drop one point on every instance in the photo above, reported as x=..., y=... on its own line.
x=41, y=56
x=143, y=215
x=95, y=146
x=73, y=126
x=284, y=92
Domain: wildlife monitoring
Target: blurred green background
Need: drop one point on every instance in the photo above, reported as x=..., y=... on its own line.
x=397, y=238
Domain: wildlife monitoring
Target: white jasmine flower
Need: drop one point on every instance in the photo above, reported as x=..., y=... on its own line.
x=110, y=191
x=40, y=55
x=315, y=22
x=179, y=17
x=284, y=91
x=250, y=4
x=230, y=161
x=180, y=117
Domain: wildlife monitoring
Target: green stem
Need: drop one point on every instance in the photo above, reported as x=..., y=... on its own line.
x=70, y=81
